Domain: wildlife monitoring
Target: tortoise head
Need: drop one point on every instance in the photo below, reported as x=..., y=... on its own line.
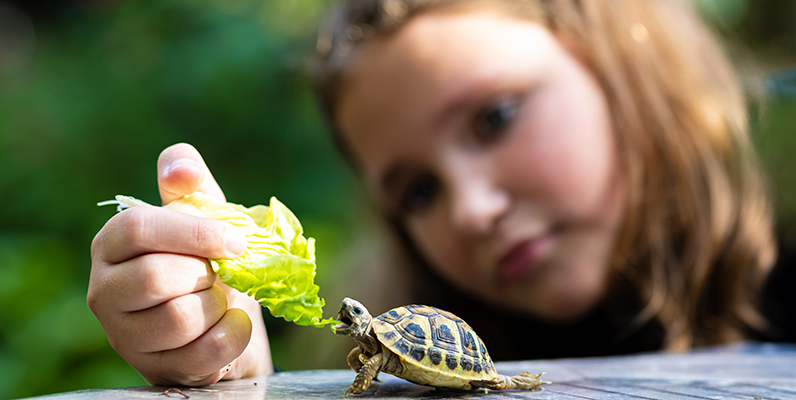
x=354, y=319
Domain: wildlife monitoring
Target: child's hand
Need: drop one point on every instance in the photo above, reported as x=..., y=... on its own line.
x=161, y=306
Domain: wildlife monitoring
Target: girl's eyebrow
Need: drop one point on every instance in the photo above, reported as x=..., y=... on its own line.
x=462, y=96
x=477, y=88
x=454, y=104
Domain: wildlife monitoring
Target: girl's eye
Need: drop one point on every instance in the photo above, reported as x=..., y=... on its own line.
x=419, y=194
x=491, y=123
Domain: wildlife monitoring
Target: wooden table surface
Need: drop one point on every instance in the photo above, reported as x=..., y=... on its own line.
x=743, y=371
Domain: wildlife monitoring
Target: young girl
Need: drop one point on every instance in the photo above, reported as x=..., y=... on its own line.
x=575, y=177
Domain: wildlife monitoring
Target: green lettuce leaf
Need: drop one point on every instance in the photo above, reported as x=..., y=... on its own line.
x=278, y=266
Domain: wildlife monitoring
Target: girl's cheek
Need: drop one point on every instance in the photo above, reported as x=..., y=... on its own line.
x=439, y=247
x=422, y=235
x=563, y=158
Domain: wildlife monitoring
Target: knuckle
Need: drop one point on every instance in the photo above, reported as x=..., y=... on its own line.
x=153, y=280
x=182, y=315
x=92, y=295
x=92, y=300
x=137, y=222
x=189, y=316
x=95, y=244
x=101, y=241
x=96, y=295
x=119, y=345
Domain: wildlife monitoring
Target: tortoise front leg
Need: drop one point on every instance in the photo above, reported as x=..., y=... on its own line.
x=353, y=359
x=366, y=375
x=523, y=381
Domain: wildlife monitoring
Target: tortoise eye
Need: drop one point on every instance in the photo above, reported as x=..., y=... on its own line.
x=357, y=311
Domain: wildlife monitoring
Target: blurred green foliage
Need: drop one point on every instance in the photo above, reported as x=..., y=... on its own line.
x=90, y=96
x=776, y=142
x=85, y=117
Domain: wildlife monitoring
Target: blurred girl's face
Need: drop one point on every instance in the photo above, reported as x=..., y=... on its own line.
x=493, y=144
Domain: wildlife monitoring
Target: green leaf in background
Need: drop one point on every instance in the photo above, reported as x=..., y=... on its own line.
x=278, y=266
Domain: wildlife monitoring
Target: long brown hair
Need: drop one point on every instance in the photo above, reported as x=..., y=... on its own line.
x=697, y=240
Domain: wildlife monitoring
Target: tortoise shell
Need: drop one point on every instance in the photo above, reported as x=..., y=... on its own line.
x=436, y=347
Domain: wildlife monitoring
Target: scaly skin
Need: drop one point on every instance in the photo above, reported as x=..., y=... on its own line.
x=366, y=375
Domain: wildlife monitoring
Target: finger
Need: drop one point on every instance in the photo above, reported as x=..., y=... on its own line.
x=175, y=322
x=182, y=171
x=256, y=359
x=147, y=229
x=149, y=280
x=204, y=361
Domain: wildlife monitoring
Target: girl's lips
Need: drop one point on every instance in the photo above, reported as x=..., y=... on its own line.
x=523, y=258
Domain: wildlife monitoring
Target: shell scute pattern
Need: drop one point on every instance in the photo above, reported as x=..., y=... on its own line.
x=442, y=333
x=394, y=315
x=423, y=310
x=468, y=343
x=436, y=342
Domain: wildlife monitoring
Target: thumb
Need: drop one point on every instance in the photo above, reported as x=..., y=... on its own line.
x=182, y=171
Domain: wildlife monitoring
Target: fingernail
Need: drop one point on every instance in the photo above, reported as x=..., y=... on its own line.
x=235, y=241
x=176, y=164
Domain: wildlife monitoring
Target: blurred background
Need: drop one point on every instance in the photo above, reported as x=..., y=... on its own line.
x=92, y=90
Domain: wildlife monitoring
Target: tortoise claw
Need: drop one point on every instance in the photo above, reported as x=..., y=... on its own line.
x=353, y=390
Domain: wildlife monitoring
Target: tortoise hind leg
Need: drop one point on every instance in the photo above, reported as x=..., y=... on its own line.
x=523, y=381
x=365, y=375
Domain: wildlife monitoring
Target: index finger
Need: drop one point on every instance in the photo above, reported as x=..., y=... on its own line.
x=147, y=229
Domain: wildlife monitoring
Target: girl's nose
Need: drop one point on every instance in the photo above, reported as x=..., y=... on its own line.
x=477, y=205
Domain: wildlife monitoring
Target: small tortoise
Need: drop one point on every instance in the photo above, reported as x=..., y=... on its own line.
x=424, y=345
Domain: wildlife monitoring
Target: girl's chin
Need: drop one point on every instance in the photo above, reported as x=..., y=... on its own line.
x=556, y=308
x=567, y=305
x=561, y=304
x=568, y=312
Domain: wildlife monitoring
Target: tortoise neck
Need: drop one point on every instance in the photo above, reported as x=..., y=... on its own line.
x=367, y=342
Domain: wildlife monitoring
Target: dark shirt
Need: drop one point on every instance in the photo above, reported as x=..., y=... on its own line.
x=512, y=335
x=778, y=298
